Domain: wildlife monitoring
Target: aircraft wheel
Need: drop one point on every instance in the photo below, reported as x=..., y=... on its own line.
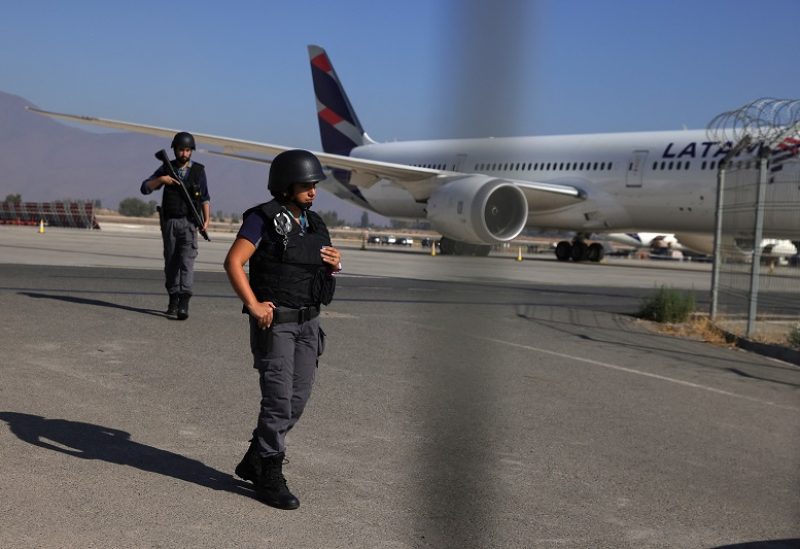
x=579, y=251
x=447, y=246
x=595, y=253
x=563, y=251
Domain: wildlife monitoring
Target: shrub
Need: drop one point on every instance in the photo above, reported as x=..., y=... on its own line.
x=794, y=336
x=137, y=208
x=667, y=305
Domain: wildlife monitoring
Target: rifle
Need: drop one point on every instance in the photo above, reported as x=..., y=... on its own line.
x=197, y=218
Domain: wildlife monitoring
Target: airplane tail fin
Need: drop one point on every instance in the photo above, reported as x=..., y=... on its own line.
x=339, y=128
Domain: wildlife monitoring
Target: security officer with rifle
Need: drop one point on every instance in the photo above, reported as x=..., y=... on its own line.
x=185, y=196
x=292, y=264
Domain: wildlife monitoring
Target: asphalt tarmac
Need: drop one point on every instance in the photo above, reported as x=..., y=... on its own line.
x=461, y=402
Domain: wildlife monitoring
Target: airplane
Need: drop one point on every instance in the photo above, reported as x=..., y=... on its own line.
x=482, y=191
x=741, y=249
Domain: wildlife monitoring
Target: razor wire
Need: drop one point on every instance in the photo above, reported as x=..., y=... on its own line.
x=766, y=120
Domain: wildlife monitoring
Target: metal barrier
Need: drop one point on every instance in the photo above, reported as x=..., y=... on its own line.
x=756, y=277
x=76, y=214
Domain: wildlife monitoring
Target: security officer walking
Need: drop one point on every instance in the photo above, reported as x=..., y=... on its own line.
x=178, y=230
x=292, y=264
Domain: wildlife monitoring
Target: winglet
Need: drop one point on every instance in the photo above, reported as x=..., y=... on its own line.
x=339, y=128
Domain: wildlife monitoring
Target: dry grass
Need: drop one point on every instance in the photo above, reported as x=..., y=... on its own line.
x=699, y=327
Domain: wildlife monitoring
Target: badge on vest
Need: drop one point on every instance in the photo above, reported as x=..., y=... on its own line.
x=283, y=225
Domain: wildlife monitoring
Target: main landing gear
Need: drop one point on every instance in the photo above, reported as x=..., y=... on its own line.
x=579, y=250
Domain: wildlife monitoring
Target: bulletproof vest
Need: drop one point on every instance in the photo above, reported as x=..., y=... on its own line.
x=173, y=202
x=289, y=270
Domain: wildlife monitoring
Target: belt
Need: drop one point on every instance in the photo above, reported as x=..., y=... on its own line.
x=281, y=316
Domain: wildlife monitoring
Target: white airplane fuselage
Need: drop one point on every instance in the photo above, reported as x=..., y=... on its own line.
x=645, y=181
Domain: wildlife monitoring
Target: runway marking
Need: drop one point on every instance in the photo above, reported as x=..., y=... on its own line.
x=627, y=370
x=637, y=372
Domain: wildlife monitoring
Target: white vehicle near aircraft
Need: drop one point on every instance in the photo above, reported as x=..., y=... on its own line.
x=484, y=191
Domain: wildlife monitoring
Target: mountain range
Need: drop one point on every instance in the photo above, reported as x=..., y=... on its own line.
x=44, y=160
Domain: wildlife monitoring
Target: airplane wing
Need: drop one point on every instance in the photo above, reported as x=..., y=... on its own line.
x=419, y=182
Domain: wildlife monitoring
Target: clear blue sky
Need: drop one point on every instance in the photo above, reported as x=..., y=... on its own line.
x=414, y=69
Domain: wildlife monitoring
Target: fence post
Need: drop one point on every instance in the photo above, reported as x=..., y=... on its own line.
x=717, y=242
x=758, y=233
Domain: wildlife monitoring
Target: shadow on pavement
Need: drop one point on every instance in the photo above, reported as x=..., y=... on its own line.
x=767, y=544
x=88, y=441
x=96, y=302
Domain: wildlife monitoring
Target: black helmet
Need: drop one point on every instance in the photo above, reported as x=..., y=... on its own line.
x=295, y=166
x=183, y=140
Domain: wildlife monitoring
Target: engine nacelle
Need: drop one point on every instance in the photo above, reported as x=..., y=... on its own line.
x=478, y=210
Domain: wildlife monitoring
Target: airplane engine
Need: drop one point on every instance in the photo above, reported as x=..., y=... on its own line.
x=478, y=210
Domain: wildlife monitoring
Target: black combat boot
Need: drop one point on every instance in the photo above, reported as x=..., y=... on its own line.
x=172, y=308
x=183, y=306
x=250, y=466
x=271, y=485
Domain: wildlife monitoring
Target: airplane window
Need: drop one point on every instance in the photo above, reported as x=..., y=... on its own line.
x=561, y=166
x=530, y=166
x=595, y=166
x=655, y=165
x=686, y=166
x=712, y=165
x=670, y=165
x=703, y=165
x=609, y=165
x=602, y=165
x=677, y=165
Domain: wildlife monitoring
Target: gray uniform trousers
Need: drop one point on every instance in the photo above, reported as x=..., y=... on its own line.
x=286, y=357
x=180, y=250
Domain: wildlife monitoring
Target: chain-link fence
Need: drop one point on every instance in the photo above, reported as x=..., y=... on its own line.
x=756, y=278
